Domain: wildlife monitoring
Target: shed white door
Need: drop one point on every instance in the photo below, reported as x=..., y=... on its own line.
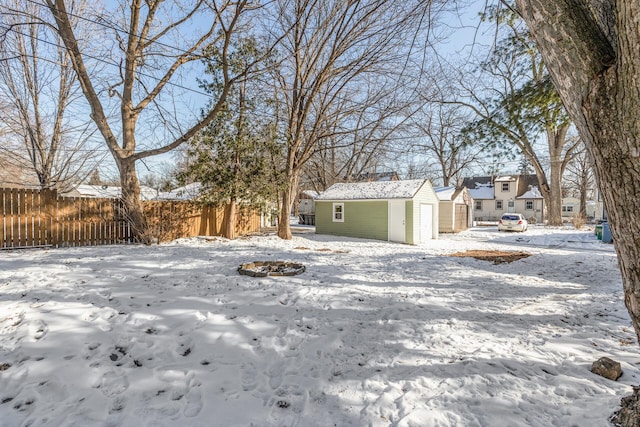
x=426, y=223
x=396, y=220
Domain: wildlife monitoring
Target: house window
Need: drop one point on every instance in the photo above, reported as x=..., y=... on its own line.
x=338, y=212
x=505, y=186
x=567, y=209
x=528, y=205
x=478, y=205
x=498, y=205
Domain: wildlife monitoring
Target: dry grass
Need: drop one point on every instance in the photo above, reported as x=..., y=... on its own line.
x=578, y=222
x=497, y=257
x=304, y=248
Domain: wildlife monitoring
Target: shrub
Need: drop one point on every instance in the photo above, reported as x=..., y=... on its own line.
x=578, y=221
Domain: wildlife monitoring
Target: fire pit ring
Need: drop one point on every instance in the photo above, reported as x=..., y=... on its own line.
x=271, y=268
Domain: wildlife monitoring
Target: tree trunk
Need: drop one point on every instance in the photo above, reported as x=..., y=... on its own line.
x=288, y=197
x=134, y=211
x=554, y=204
x=584, y=180
x=230, y=220
x=284, y=225
x=594, y=65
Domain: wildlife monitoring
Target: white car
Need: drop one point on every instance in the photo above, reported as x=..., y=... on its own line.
x=512, y=222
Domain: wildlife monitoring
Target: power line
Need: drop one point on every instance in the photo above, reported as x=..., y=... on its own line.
x=186, y=88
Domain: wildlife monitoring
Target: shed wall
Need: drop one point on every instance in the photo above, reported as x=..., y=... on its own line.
x=445, y=222
x=364, y=219
x=426, y=195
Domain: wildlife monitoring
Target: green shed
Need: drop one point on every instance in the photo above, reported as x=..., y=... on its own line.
x=396, y=211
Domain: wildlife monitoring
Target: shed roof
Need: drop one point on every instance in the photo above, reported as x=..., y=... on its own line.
x=445, y=193
x=373, y=190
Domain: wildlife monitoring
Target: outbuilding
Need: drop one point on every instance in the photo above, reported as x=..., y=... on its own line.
x=456, y=209
x=396, y=211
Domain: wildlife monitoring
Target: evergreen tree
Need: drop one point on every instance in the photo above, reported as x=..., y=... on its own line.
x=233, y=157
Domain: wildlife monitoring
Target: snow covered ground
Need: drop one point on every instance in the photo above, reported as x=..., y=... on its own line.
x=372, y=334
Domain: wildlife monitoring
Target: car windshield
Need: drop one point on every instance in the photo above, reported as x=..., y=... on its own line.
x=510, y=217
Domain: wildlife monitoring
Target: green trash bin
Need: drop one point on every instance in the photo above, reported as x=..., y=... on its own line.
x=599, y=231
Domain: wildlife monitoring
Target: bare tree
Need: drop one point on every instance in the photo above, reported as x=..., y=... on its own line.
x=579, y=179
x=359, y=141
x=439, y=129
x=148, y=48
x=591, y=51
x=332, y=47
x=37, y=81
x=519, y=105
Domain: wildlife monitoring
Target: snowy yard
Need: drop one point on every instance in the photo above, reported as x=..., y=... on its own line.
x=372, y=334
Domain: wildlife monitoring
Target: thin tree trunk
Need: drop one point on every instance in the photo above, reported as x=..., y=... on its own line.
x=230, y=219
x=288, y=197
x=554, y=203
x=583, y=204
x=284, y=225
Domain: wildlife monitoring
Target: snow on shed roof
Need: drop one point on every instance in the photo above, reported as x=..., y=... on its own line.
x=373, y=190
x=445, y=193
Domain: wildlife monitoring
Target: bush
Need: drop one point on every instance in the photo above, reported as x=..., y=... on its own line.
x=578, y=221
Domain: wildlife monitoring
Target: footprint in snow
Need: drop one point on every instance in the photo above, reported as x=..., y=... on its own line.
x=185, y=347
x=37, y=329
x=118, y=404
x=193, y=404
x=112, y=384
x=248, y=376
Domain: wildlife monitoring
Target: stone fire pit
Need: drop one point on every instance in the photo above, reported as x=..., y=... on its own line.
x=271, y=268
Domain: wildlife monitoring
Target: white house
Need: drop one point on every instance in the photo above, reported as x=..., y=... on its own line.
x=494, y=196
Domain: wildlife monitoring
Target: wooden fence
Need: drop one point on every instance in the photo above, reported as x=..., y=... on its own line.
x=32, y=218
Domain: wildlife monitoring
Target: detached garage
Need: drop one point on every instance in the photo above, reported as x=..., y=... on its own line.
x=456, y=209
x=395, y=211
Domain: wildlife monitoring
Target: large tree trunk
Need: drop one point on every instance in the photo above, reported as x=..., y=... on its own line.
x=593, y=61
x=133, y=209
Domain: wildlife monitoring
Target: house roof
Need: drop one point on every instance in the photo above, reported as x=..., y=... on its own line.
x=108, y=192
x=187, y=192
x=533, y=193
x=14, y=175
x=481, y=187
x=482, y=191
x=309, y=194
x=373, y=190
